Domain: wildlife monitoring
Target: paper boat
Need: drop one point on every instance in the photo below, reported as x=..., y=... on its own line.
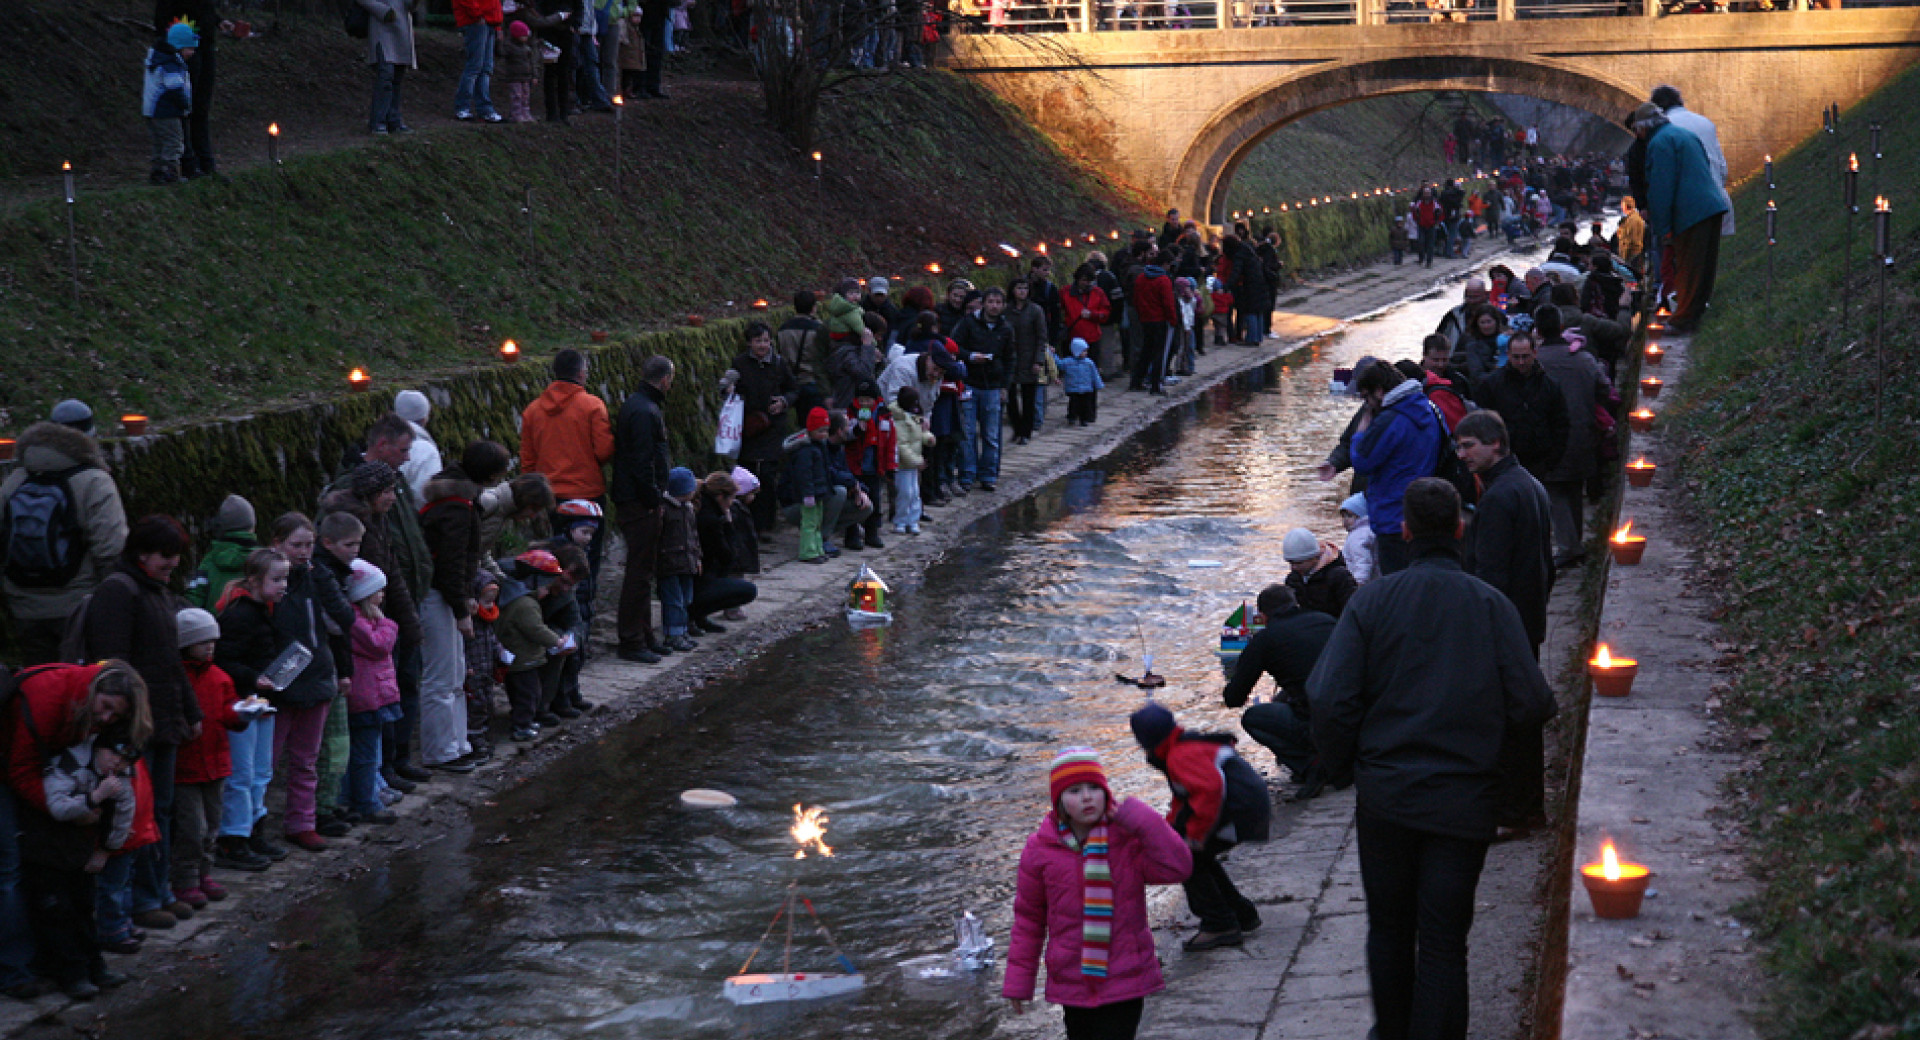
x=778, y=987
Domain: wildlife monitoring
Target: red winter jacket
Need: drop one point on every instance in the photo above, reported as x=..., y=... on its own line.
x=1426, y=214
x=1049, y=910
x=1153, y=298
x=1085, y=316
x=1193, y=768
x=473, y=12
x=878, y=434
x=207, y=757
x=50, y=695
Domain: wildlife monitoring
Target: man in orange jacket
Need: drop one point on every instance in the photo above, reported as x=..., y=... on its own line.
x=566, y=435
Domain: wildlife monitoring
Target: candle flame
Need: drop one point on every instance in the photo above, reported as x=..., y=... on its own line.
x=1853, y=163
x=1603, y=657
x=1042, y=248
x=66, y=167
x=1641, y=463
x=273, y=129
x=810, y=830
x=1113, y=234
x=1880, y=204
x=933, y=268
x=619, y=99
x=816, y=157
x=1643, y=413
x=1769, y=158
x=1621, y=535
x=356, y=376
x=979, y=261
x=1609, y=862
x=509, y=347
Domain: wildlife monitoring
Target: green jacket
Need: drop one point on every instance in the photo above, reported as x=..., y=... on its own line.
x=844, y=317
x=1681, y=181
x=522, y=631
x=225, y=559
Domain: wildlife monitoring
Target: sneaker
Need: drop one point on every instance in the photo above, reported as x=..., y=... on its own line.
x=525, y=734
x=640, y=656
x=378, y=131
x=832, y=551
x=308, y=841
x=213, y=890
x=493, y=117
x=264, y=846
x=682, y=644
x=231, y=853
x=914, y=529
x=391, y=795
x=192, y=897
x=155, y=919
x=546, y=718
x=900, y=528
x=455, y=766
x=464, y=116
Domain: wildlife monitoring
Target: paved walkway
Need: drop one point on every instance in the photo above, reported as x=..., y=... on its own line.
x=1313, y=889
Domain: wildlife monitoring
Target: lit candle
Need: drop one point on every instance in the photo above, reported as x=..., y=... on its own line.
x=979, y=261
x=1641, y=420
x=273, y=143
x=1769, y=173
x=1773, y=214
x=1626, y=546
x=1640, y=473
x=933, y=268
x=358, y=381
x=66, y=173
x=1853, y=183
x=1882, y=227
x=1612, y=676
x=1041, y=249
x=1066, y=243
x=1615, y=888
x=1650, y=386
x=6, y=448
x=816, y=166
x=1655, y=354
x=760, y=304
x=510, y=352
x=1266, y=209
x=1113, y=234
x=133, y=425
x=1283, y=207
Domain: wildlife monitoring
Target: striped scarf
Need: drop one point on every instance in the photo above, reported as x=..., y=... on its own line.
x=1096, y=928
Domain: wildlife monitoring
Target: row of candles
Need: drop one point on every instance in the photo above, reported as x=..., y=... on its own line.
x=1308, y=203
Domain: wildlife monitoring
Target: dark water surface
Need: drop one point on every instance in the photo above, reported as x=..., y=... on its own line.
x=588, y=904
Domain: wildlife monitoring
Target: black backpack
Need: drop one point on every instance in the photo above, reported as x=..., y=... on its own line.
x=1245, y=804
x=355, y=19
x=41, y=533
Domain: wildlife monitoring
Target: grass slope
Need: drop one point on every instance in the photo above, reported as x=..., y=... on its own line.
x=1811, y=508
x=1392, y=140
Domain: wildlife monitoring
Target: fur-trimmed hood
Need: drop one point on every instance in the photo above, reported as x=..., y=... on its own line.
x=449, y=483
x=48, y=447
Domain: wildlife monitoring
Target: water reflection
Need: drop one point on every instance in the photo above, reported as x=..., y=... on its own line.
x=591, y=904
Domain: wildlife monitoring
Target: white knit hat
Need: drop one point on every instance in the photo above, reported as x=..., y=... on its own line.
x=1300, y=545
x=366, y=580
x=195, y=626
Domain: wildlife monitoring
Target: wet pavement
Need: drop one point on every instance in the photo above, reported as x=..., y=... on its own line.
x=589, y=904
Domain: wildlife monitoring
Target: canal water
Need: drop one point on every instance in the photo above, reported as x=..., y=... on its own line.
x=589, y=904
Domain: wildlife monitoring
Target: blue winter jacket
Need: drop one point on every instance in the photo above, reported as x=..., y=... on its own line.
x=1682, y=186
x=1079, y=375
x=169, y=88
x=1400, y=446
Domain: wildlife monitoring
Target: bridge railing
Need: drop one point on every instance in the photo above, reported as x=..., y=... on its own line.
x=1075, y=16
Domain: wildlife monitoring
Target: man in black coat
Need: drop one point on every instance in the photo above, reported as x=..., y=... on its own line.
x=1287, y=649
x=1529, y=403
x=1510, y=547
x=768, y=390
x=640, y=466
x=1425, y=675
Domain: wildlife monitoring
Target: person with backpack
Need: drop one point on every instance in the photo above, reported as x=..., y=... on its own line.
x=61, y=528
x=1219, y=801
x=131, y=618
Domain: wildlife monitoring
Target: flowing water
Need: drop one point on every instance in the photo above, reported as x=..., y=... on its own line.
x=588, y=904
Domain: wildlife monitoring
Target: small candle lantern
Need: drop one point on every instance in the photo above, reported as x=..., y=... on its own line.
x=1612, y=676
x=1882, y=227
x=1650, y=386
x=1041, y=249
x=1615, y=888
x=133, y=425
x=979, y=261
x=1656, y=354
x=1852, y=183
x=933, y=268
x=1769, y=173
x=510, y=352
x=1283, y=207
x=273, y=143
x=760, y=304
x=1640, y=473
x=66, y=175
x=816, y=166
x=1115, y=235
x=696, y=320
x=1066, y=243
x=6, y=449
x=1640, y=420
x=358, y=381
x=867, y=599
x=598, y=335
x=1627, y=547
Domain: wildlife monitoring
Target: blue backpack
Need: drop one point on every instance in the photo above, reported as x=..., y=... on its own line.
x=41, y=532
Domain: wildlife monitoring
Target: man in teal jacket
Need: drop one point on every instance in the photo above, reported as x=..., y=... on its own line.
x=1684, y=208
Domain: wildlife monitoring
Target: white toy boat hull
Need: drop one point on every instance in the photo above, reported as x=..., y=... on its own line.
x=778, y=987
x=858, y=618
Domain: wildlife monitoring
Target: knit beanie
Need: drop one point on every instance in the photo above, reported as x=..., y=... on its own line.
x=1152, y=725
x=1300, y=545
x=1075, y=765
x=1355, y=504
x=413, y=406
x=196, y=626
x=180, y=35
x=365, y=581
x=817, y=420
x=518, y=30
x=681, y=482
x=73, y=413
x=371, y=478
x=744, y=482
x=234, y=514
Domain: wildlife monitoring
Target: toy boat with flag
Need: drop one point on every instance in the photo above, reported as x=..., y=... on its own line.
x=1234, y=635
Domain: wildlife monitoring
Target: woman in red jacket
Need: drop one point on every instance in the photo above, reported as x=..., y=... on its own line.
x=1087, y=309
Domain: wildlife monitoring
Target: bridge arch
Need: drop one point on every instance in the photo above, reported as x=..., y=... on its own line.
x=1206, y=170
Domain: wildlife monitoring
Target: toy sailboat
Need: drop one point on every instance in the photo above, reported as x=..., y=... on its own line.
x=785, y=985
x=1235, y=633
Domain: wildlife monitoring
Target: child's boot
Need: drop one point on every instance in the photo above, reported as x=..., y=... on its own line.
x=213, y=890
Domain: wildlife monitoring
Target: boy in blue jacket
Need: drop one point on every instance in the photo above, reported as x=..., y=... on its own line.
x=168, y=98
x=1080, y=378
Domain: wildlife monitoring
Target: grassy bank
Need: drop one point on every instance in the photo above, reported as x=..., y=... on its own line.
x=1392, y=140
x=1811, y=507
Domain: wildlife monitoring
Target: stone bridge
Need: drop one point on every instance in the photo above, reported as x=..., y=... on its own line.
x=1172, y=113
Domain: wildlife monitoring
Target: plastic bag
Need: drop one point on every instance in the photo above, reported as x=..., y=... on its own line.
x=733, y=419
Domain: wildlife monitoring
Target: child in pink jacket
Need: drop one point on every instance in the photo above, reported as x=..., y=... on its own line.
x=1083, y=881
